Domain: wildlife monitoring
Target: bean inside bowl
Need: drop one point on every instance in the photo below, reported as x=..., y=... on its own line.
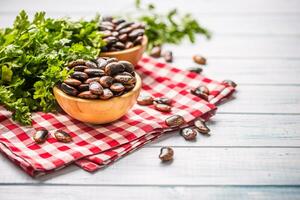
x=124, y=40
x=98, y=91
x=97, y=111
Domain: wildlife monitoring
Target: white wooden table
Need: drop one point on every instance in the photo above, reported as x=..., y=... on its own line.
x=254, y=151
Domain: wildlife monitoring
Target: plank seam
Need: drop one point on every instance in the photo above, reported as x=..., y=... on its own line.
x=147, y=185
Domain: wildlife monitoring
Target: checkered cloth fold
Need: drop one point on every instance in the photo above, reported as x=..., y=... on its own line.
x=95, y=146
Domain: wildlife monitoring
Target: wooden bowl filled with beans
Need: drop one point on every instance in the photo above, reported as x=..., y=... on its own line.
x=99, y=91
x=124, y=40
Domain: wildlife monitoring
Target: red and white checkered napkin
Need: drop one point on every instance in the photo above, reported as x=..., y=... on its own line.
x=95, y=146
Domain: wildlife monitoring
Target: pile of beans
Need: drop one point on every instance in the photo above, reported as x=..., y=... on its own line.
x=156, y=52
x=162, y=104
x=188, y=132
x=120, y=34
x=103, y=78
x=40, y=136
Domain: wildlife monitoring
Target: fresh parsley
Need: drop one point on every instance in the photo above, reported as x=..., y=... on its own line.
x=32, y=59
x=169, y=28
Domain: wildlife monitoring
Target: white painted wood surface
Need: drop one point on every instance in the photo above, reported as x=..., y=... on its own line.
x=191, y=167
x=152, y=192
x=253, y=152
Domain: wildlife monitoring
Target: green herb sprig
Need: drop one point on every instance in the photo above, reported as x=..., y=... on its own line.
x=169, y=28
x=32, y=59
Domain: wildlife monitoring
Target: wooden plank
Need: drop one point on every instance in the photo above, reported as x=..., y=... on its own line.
x=243, y=131
x=222, y=46
x=203, y=6
x=268, y=25
x=148, y=193
x=248, y=71
x=192, y=166
x=264, y=99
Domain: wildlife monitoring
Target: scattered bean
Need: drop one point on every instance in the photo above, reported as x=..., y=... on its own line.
x=162, y=107
x=62, y=136
x=40, y=136
x=145, y=100
x=201, y=91
x=199, y=60
x=175, y=121
x=188, y=134
x=201, y=126
x=196, y=70
x=156, y=52
x=163, y=100
x=166, y=154
x=168, y=56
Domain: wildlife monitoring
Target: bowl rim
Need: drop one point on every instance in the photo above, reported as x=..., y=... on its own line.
x=137, y=86
x=112, y=53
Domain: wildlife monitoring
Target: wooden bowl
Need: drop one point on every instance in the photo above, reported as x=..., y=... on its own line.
x=98, y=111
x=132, y=55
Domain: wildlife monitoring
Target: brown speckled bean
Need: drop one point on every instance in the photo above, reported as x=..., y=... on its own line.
x=166, y=154
x=175, y=121
x=62, y=136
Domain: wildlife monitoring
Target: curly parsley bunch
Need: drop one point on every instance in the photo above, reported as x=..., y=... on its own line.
x=32, y=59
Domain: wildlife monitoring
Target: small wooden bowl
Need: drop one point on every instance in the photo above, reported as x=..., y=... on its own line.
x=132, y=55
x=98, y=111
